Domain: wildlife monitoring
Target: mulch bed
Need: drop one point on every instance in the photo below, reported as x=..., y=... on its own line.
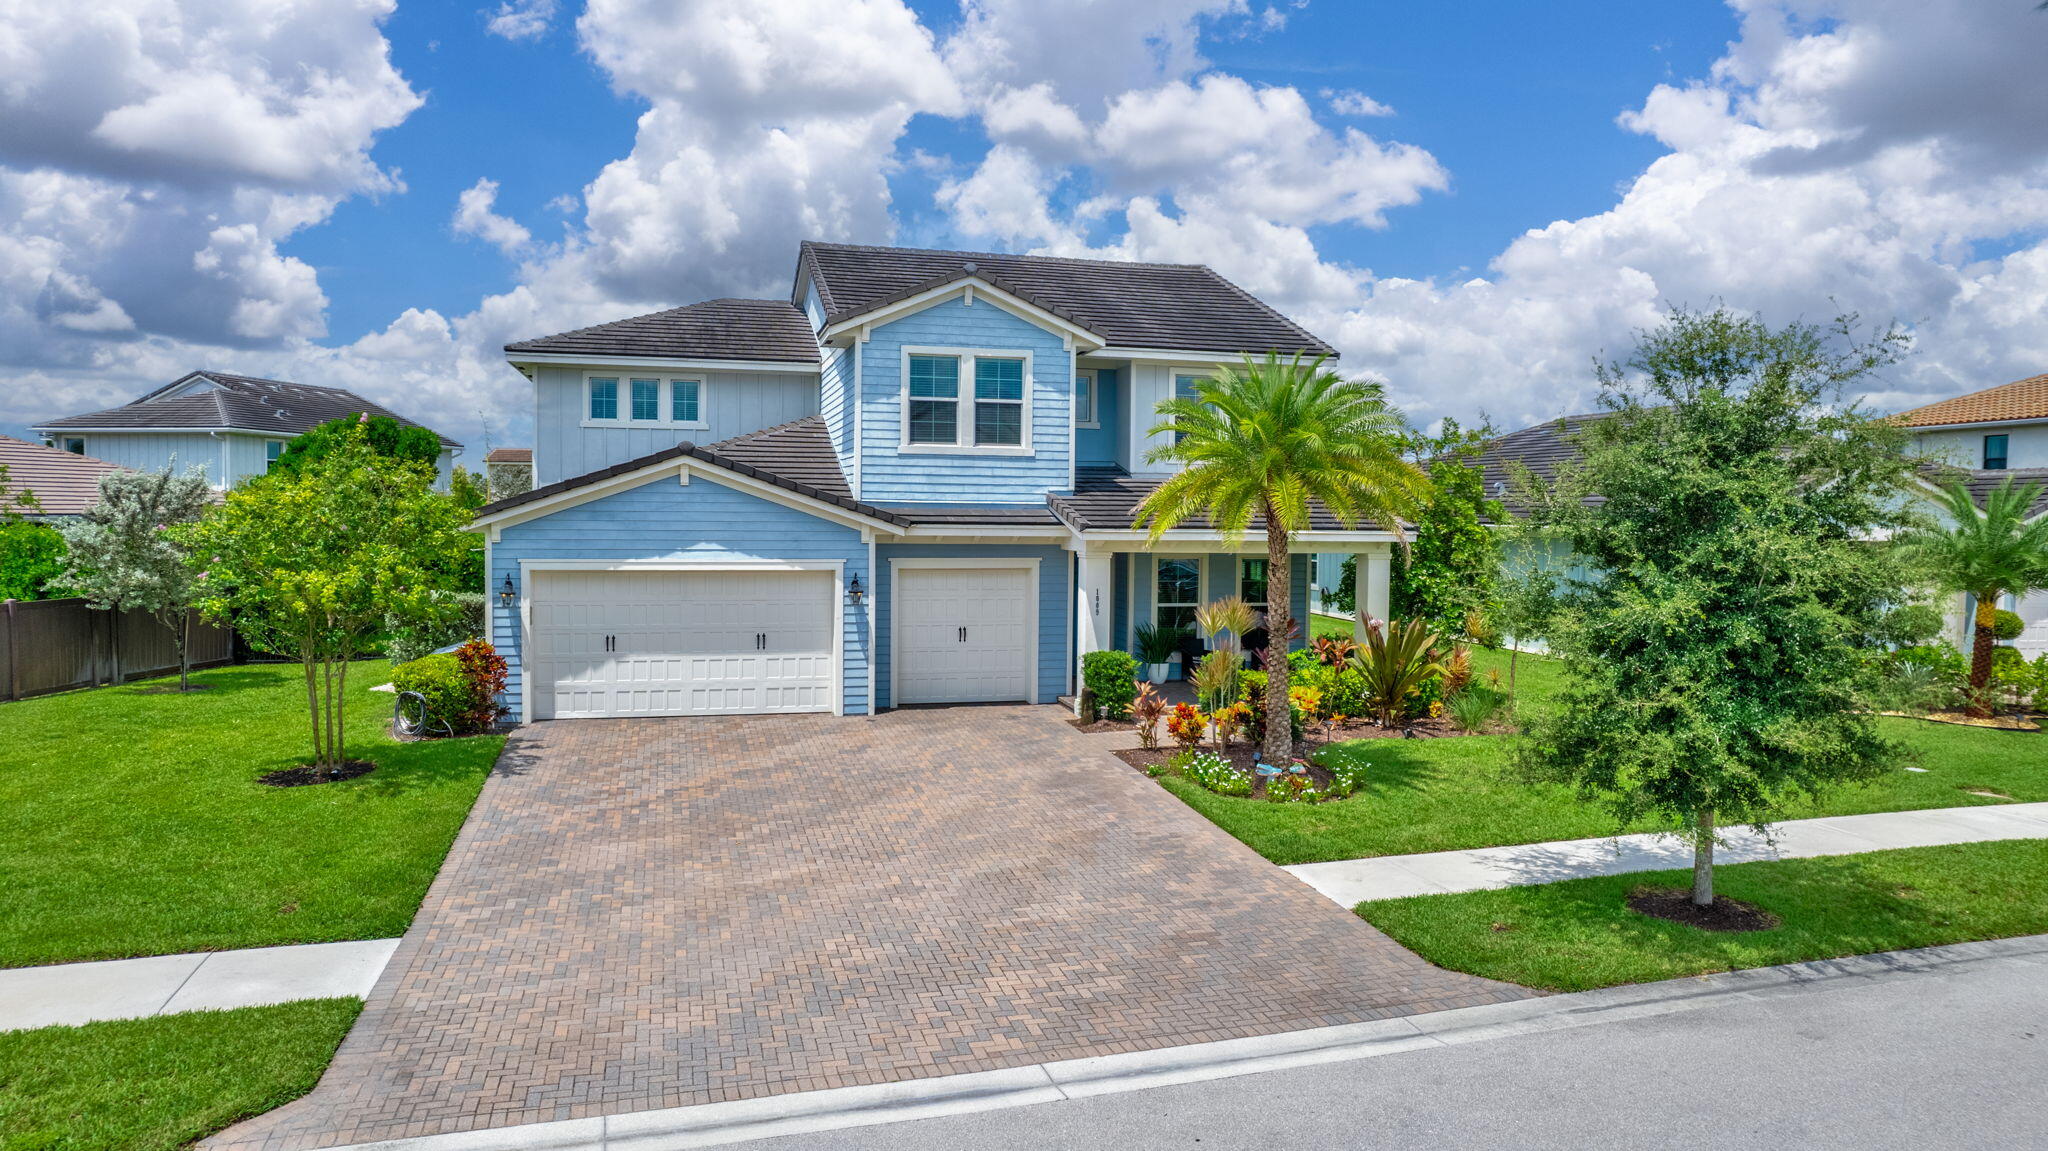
x=1241, y=755
x=1425, y=728
x=1101, y=725
x=1675, y=904
x=306, y=774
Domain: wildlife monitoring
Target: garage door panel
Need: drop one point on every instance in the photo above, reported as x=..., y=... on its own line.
x=963, y=635
x=685, y=643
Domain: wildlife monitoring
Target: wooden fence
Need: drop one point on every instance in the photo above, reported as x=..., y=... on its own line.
x=58, y=644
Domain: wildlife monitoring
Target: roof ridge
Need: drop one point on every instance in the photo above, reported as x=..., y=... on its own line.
x=997, y=255
x=1283, y=317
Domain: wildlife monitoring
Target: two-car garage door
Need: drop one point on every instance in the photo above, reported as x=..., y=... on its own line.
x=632, y=643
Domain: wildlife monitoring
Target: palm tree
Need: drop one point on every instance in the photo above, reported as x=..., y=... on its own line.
x=1269, y=441
x=1988, y=553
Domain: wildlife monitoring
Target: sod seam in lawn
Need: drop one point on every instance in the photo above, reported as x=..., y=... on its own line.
x=160, y=1083
x=1447, y=794
x=132, y=822
x=1580, y=934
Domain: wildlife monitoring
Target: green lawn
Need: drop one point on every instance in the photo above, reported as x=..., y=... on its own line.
x=140, y=1084
x=1444, y=794
x=131, y=822
x=1580, y=934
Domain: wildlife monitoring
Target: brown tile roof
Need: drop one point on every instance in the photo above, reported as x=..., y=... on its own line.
x=237, y=403
x=770, y=330
x=1542, y=448
x=2020, y=400
x=509, y=456
x=1107, y=499
x=1132, y=305
x=64, y=483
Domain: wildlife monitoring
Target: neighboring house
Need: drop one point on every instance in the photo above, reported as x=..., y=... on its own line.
x=911, y=482
x=63, y=483
x=232, y=426
x=1982, y=439
x=508, y=471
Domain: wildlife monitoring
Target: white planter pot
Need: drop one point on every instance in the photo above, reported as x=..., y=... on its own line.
x=1158, y=673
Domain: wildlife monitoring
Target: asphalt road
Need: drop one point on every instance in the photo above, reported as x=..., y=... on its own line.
x=1956, y=1059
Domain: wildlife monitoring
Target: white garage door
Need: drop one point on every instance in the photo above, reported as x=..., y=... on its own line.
x=622, y=643
x=963, y=635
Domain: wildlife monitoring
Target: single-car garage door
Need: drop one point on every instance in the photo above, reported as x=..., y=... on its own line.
x=963, y=635
x=619, y=643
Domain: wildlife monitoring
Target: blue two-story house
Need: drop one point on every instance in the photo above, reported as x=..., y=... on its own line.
x=912, y=482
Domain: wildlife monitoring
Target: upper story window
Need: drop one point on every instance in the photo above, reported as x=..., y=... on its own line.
x=646, y=402
x=604, y=398
x=74, y=444
x=272, y=449
x=1184, y=385
x=1084, y=401
x=997, y=395
x=1994, y=453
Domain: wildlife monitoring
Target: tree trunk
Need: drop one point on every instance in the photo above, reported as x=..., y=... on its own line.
x=182, y=636
x=1514, y=657
x=1279, y=747
x=307, y=658
x=1980, y=656
x=341, y=711
x=1703, y=860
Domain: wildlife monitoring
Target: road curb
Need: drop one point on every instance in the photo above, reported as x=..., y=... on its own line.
x=809, y=1112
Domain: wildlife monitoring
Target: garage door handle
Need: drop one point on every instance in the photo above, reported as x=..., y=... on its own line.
x=963, y=635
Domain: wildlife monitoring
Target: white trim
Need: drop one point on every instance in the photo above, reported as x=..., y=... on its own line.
x=1030, y=565
x=1930, y=429
x=1201, y=582
x=969, y=285
x=603, y=365
x=1181, y=355
x=963, y=415
x=874, y=577
x=67, y=430
x=973, y=533
x=528, y=568
x=663, y=387
x=859, y=400
x=1094, y=423
x=562, y=501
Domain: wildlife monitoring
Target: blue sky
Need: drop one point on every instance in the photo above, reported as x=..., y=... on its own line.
x=1471, y=201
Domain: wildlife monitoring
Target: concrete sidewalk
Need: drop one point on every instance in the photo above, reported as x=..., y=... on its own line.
x=1350, y=882
x=73, y=993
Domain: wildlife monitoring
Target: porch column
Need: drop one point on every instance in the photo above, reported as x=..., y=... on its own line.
x=1371, y=586
x=1094, y=610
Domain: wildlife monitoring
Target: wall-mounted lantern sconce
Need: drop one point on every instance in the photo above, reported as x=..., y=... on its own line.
x=508, y=595
x=853, y=590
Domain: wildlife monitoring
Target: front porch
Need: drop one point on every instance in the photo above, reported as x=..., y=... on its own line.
x=1124, y=584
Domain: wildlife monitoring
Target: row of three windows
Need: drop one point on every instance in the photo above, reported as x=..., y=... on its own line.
x=644, y=400
x=996, y=416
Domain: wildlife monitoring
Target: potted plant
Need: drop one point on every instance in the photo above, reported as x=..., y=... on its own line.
x=1158, y=650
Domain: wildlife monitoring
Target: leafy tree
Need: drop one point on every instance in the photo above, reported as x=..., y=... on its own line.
x=308, y=563
x=1523, y=609
x=1711, y=653
x=124, y=553
x=1988, y=553
x=31, y=554
x=1448, y=574
x=385, y=436
x=1268, y=441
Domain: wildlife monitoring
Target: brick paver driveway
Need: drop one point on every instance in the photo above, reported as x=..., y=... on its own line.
x=652, y=913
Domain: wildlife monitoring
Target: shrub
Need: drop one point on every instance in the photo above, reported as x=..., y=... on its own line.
x=1475, y=707
x=483, y=673
x=1186, y=725
x=1332, y=650
x=1939, y=658
x=31, y=559
x=439, y=680
x=1252, y=693
x=1399, y=661
x=1146, y=708
x=1913, y=624
x=1111, y=677
x=1158, y=644
x=1228, y=721
x=2006, y=625
x=1216, y=676
x=461, y=687
x=1457, y=671
x=1211, y=771
x=1307, y=702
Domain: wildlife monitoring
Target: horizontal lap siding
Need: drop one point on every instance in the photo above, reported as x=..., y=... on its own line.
x=664, y=520
x=733, y=403
x=1054, y=584
x=887, y=475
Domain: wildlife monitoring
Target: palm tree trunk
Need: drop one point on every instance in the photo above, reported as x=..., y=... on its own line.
x=1279, y=747
x=1703, y=860
x=1980, y=655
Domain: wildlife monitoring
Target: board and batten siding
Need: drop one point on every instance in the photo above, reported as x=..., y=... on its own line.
x=966, y=476
x=1055, y=583
x=733, y=403
x=664, y=520
x=1104, y=444
x=153, y=451
x=2026, y=445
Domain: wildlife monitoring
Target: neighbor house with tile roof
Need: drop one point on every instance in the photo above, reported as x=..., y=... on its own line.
x=911, y=481
x=63, y=484
x=232, y=426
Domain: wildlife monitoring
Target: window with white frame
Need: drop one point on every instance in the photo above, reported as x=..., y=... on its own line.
x=1084, y=401
x=272, y=449
x=1177, y=592
x=1184, y=388
x=966, y=401
x=655, y=401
